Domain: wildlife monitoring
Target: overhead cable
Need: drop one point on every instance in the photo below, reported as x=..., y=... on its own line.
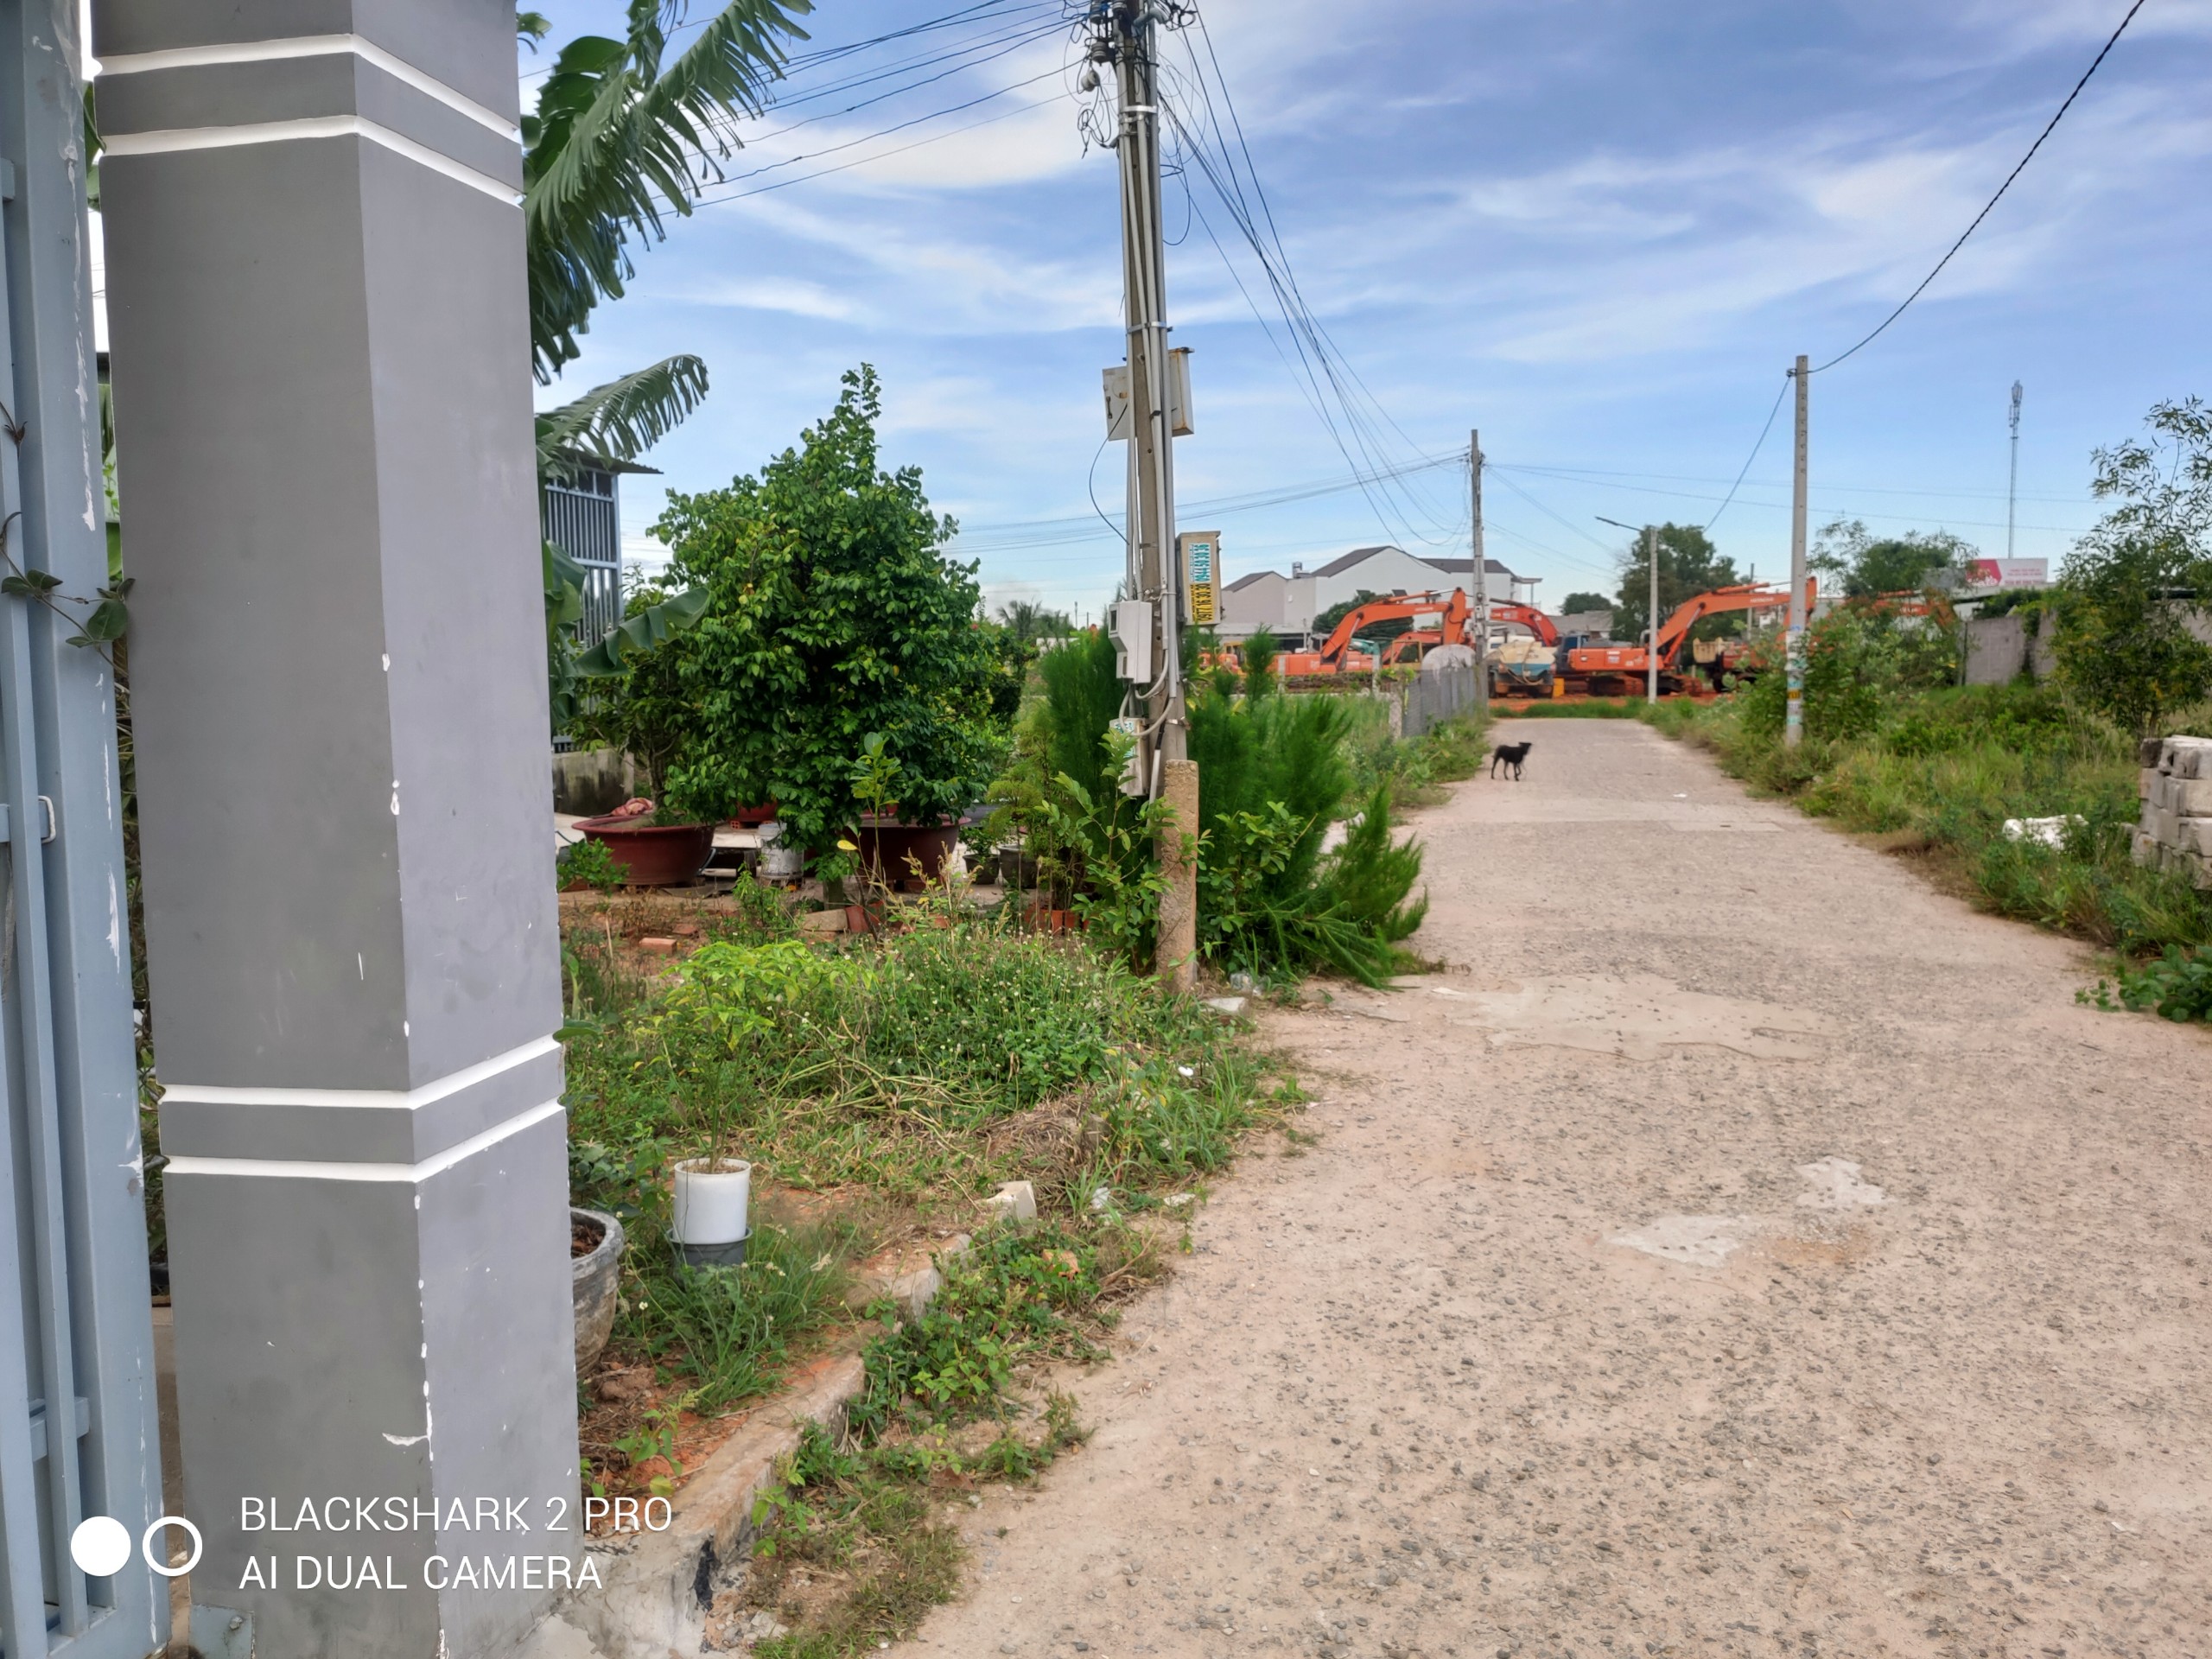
x=2048, y=129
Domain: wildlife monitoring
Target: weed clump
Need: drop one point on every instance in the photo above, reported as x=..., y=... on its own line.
x=1943, y=769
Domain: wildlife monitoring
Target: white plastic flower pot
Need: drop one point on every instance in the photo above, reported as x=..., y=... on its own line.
x=712, y=1220
x=777, y=862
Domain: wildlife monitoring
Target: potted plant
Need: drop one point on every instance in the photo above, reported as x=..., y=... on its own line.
x=638, y=704
x=838, y=628
x=711, y=1218
x=711, y=1215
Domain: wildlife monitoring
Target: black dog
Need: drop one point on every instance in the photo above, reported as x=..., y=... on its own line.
x=1509, y=755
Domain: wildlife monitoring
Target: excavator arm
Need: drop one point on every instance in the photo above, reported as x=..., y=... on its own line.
x=1743, y=596
x=1454, y=608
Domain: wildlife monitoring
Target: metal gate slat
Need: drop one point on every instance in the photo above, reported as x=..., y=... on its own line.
x=34, y=1014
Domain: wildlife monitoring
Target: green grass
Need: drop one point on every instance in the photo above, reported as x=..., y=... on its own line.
x=729, y=1329
x=889, y=1065
x=1414, y=768
x=1595, y=709
x=868, y=1511
x=1941, y=772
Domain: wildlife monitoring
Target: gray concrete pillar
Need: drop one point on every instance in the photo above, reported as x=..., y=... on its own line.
x=316, y=302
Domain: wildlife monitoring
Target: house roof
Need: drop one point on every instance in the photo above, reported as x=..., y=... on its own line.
x=1360, y=556
x=1248, y=578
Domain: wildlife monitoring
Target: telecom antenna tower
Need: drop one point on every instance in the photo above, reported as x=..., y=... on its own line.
x=2013, y=491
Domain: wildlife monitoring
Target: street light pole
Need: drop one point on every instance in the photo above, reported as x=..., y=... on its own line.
x=1650, y=533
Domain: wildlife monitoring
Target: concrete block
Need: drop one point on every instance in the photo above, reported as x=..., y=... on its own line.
x=2150, y=751
x=2145, y=781
x=2165, y=826
x=2195, y=836
x=2187, y=756
x=657, y=947
x=1229, y=1007
x=1015, y=1201
x=821, y=923
x=2190, y=797
x=2146, y=850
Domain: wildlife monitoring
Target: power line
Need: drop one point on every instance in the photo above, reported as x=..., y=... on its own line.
x=1744, y=471
x=2001, y=189
x=934, y=115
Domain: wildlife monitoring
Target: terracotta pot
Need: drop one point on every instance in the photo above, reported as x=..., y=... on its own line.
x=653, y=855
x=863, y=918
x=886, y=846
x=748, y=817
x=595, y=1276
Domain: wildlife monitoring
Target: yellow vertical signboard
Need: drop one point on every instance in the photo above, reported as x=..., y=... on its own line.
x=1200, y=550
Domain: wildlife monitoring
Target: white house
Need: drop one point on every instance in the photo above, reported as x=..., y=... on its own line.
x=1287, y=605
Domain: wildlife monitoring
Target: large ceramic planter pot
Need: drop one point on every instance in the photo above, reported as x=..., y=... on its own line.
x=598, y=1275
x=654, y=855
x=713, y=1212
x=892, y=849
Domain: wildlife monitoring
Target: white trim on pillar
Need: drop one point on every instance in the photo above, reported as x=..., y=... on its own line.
x=412, y=1172
x=320, y=126
x=312, y=45
x=408, y=1100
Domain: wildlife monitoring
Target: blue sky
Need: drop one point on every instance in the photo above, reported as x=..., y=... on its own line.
x=1598, y=230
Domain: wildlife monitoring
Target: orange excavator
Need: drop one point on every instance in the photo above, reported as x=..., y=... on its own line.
x=1418, y=642
x=1620, y=668
x=1440, y=615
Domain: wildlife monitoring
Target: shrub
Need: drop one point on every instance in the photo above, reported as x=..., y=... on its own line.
x=589, y=862
x=832, y=615
x=2129, y=590
x=872, y=1065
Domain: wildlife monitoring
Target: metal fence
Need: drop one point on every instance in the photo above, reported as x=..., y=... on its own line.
x=78, y=1432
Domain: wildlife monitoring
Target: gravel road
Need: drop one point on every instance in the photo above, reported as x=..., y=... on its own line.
x=1736, y=1246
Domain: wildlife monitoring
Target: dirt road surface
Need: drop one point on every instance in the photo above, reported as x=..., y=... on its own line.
x=1737, y=1247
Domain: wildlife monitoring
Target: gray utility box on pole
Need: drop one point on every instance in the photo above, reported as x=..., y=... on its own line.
x=317, y=297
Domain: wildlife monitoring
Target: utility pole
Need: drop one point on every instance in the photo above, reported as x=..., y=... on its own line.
x=1793, y=730
x=2012, y=490
x=1482, y=573
x=1126, y=35
x=1651, y=650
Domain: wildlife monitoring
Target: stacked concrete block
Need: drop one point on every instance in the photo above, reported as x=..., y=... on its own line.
x=2175, y=831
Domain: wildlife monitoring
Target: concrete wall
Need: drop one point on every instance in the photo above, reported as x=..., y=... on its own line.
x=1999, y=647
x=590, y=781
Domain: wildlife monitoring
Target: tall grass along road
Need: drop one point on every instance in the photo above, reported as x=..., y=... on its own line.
x=1738, y=1244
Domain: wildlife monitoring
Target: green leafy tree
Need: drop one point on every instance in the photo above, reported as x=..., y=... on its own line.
x=1912, y=563
x=642, y=705
x=1575, y=603
x=2131, y=590
x=621, y=134
x=1689, y=565
x=1029, y=623
x=832, y=614
x=625, y=133
x=1324, y=624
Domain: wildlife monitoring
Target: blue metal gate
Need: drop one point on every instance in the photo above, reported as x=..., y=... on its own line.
x=78, y=1434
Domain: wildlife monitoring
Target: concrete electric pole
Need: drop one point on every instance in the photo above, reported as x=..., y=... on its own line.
x=1793, y=731
x=1481, y=572
x=1651, y=651
x=1126, y=35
